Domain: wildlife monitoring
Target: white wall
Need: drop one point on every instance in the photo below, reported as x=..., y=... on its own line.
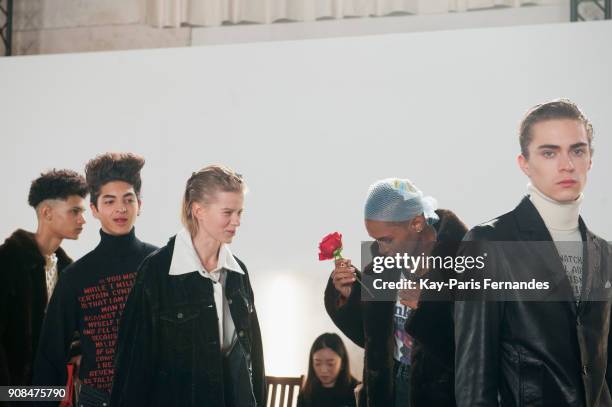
x=311, y=124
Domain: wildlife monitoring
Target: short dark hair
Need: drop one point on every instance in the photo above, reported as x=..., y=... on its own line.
x=56, y=184
x=555, y=109
x=110, y=167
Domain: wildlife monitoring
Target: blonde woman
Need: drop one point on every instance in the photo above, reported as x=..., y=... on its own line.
x=190, y=334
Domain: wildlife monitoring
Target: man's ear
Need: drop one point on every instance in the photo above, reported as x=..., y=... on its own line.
x=139, y=206
x=94, y=210
x=418, y=223
x=523, y=164
x=45, y=212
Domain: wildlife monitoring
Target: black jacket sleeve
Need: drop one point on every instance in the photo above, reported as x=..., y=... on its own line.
x=346, y=315
x=257, y=362
x=136, y=349
x=259, y=373
x=260, y=388
x=59, y=325
x=477, y=336
x=6, y=301
x=608, y=261
x=609, y=367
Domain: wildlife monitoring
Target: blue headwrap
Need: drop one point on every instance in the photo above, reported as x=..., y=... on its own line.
x=398, y=200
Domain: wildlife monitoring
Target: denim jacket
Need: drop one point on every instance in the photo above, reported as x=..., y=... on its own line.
x=168, y=351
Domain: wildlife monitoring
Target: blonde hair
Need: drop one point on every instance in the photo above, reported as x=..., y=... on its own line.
x=203, y=185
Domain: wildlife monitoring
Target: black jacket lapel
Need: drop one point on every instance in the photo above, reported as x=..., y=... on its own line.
x=532, y=229
x=591, y=266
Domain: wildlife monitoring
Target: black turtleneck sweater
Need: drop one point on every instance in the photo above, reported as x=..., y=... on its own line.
x=89, y=298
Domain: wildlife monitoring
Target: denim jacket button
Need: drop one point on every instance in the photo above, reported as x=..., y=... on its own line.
x=241, y=334
x=229, y=301
x=179, y=315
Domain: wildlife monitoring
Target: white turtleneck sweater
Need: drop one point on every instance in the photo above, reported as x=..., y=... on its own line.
x=561, y=220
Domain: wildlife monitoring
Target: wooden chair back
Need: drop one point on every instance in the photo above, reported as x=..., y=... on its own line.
x=283, y=391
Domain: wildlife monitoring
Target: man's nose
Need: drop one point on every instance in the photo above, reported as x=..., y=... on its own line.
x=566, y=163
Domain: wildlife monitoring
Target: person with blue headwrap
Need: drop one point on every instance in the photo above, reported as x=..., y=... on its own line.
x=408, y=341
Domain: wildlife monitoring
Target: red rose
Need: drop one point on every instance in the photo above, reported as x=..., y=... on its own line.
x=331, y=246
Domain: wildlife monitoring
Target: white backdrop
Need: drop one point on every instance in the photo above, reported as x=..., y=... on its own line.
x=310, y=124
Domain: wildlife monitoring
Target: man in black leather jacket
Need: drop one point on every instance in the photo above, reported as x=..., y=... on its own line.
x=548, y=352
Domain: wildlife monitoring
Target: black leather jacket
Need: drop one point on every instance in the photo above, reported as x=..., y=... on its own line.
x=534, y=353
x=168, y=351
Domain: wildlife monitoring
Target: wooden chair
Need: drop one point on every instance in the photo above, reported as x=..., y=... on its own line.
x=283, y=391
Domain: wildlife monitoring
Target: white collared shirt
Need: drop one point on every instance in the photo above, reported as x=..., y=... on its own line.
x=185, y=260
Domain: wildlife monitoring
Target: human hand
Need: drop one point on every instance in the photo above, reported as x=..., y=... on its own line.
x=343, y=277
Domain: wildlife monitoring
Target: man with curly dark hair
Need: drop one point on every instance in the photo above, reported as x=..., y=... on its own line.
x=91, y=293
x=29, y=267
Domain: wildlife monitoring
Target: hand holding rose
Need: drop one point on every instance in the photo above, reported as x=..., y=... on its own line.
x=343, y=277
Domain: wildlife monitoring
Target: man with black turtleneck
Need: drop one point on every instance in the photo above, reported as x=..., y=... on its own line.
x=91, y=293
x=553, y=351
